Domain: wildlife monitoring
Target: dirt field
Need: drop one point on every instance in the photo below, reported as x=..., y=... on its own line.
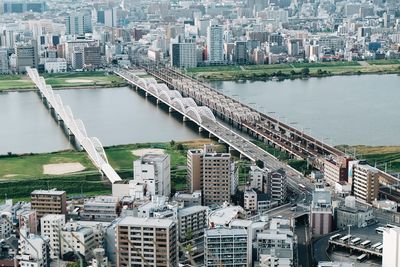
x=78, y=81
x=143, y=151
x=62, y=168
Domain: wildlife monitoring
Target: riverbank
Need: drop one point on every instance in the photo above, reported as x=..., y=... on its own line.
x=295, y=70
x=27, y=172
x=89, y=79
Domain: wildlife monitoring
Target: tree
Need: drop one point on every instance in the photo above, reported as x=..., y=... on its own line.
x=260, y=164
x=305, y=71
x=172, y=143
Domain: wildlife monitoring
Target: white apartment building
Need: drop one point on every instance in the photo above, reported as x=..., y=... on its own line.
x=256, y=176
x=33, y=250
x=250, y=200
x=191, y=222
x=50, y=226
x=276, y=185
x=391, y=247
x=55, y=65
x=146, y=242
x=5, y=224
x=276, y=243
x=183, y=55
x=215, y=44
x=226, y=247
x=78, y=238
x=153, y=171
x=365, y=182
x=101, y=208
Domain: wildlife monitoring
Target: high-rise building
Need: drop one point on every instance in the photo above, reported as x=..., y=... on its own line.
x=241, y=54
x=27, y=56
x=183, y=55
x=13, y=6
x=92, y=57
x=6, y=225
x=79, y=23
x=77, y=59
x=49, y=202
x=210, y=172
x=146, y=242
x=365, y=182
x=391, y=247
x=51, y=226
x=226, y=247
x=4, y=67
x=215, y=44
x=153, y=170
x=276, y=185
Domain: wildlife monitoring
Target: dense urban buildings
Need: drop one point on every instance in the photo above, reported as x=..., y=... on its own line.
x=240, y=205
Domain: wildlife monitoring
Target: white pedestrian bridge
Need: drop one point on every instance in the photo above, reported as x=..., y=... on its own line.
x=75, y=127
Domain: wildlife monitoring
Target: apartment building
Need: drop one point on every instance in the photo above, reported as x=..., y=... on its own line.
x=365, y=182
x=226, y=247
x=51, y=226
x=191, y=222
x=153, y=171
x=146, y=242
x=210, y=172
x=49, y=202
x=276, y=185
x=76, y=237
x=101, y=208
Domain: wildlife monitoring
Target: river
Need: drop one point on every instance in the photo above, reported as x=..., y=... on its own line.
x=114, y=115
x=340, y=110
x=354, y=110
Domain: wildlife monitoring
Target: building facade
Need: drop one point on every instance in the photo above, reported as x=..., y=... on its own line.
x=49, y=202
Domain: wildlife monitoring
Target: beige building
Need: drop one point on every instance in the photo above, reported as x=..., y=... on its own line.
x=210, y=172
x=365, y=182
x=146, y=242
x=49, y=202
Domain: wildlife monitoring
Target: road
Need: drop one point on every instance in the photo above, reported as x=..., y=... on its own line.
x=303, y=246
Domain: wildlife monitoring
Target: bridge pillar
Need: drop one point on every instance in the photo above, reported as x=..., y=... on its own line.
x=200, y=129
x=184, y=118
x=210, y=135
x=170, y=110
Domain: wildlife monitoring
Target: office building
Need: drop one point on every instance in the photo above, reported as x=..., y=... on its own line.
x=391, y=247
x=146, y=242
x=4, y=66
x=210, y=172
x=153, y=171
x=276, y=185
x=15, y=6
x=27, y=56
x=49, y=202
x=321, y=212
x=79, y=23
x=183, y=55
x=74, y=235
x=365, y=182
x=226, y=247
x=51, y=226
x=108, y=17
x=215, y=44
x=92, y=57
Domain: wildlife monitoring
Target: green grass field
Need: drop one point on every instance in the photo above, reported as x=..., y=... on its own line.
x=25, y=172
x=293, y=70
x=68, y=79
x=379, y=156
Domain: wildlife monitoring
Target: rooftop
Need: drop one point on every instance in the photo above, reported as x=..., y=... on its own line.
x=146, y=222
x=225, y=232
x=47, y=192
